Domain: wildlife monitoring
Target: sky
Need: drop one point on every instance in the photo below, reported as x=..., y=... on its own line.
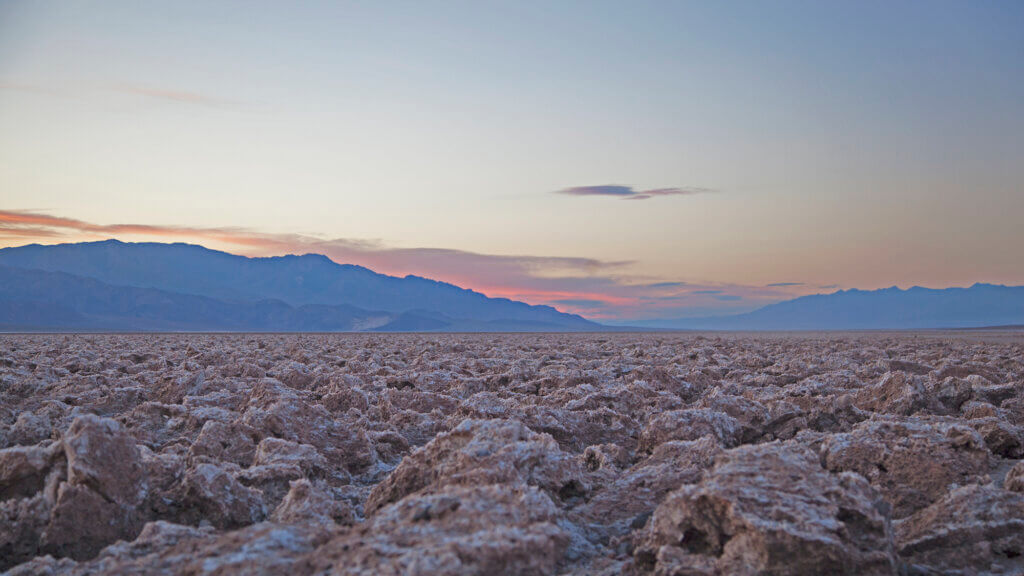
x=622, y=160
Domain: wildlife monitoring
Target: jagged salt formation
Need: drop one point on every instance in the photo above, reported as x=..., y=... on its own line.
x=518, y=454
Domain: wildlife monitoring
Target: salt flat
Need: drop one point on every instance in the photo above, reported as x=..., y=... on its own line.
x=667, y=453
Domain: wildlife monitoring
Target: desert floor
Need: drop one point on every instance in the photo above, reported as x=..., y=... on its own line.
x=663, y=453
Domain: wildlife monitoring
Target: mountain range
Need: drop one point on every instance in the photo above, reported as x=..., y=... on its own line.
x=113, y=285
x=118, y=286
x=980, y=305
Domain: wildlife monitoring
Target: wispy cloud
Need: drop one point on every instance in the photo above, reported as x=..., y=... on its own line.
x=666, y=285
x=28, y=224
x=174, y=95
x=598, y=289
x=783, y=284
x=580, y=303
x=628, y=193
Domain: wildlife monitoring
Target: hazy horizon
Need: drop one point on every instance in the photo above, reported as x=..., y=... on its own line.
x=199, y=288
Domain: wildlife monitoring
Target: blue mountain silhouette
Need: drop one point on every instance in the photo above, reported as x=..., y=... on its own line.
x=979, y=305
x=113, y=285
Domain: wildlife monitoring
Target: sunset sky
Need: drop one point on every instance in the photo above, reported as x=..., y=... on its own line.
x=627, y=160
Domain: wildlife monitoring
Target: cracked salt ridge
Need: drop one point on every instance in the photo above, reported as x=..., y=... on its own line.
x=523, y=454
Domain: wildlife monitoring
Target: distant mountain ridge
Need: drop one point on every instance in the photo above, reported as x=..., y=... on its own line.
x=113, y=285
x=118, y=283
x=892, y=308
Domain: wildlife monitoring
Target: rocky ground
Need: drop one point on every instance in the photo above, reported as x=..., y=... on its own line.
x=511, y=454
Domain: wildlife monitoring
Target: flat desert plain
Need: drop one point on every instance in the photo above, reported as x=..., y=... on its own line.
x=845, y=453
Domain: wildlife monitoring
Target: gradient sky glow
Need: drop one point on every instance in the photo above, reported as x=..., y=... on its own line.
x=766, y=149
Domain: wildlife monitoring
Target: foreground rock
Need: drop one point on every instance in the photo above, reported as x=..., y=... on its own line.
x=77, y=496
x=484, y=452
x=164, y=548
x=912, y=463
x=973, y=529
x=630, y=496
x=770, y=509
x=493, y=529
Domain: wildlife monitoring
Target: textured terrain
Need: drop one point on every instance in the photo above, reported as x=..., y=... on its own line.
x=517, y=454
